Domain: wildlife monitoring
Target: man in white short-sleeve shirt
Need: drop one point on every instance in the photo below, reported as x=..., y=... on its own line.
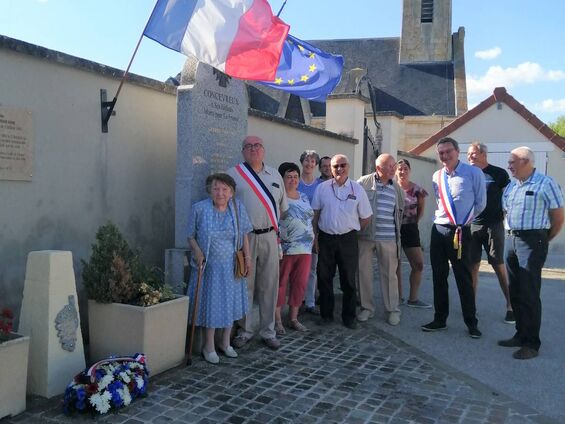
x=341, y=208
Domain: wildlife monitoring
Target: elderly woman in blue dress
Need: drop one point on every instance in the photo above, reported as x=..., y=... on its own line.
x=212, y=232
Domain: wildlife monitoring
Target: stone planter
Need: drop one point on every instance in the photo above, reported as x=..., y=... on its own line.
x=13, y=374
x=159, y=331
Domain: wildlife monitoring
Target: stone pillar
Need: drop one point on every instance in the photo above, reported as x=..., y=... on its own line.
x=459, y=72
x=49, y=316
x=212, y=110
x=345, y=115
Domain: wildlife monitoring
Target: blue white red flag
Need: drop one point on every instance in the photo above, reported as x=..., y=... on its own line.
x=306, y=71
x=239, y=37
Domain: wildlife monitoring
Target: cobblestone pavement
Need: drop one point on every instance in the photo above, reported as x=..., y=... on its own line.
x=328, y=375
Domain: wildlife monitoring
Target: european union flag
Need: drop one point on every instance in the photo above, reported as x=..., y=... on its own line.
x=306, y=71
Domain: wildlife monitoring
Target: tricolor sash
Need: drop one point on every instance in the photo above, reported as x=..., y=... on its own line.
x=449, y=207
x=261, y=191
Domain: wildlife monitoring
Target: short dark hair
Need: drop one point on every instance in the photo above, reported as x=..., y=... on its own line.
x=221, y=177
x=405, y=162
x=448, y=140
x=288, y=167
x=310, y=154
x=321, y=159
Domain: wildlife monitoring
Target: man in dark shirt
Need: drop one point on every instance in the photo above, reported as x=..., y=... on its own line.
x=487, y=229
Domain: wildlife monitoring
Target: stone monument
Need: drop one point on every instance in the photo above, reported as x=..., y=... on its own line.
x=50, y=317
x=212, y=110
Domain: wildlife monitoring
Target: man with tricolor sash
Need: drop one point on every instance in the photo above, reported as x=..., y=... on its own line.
x=460, y=192
x=261, y=190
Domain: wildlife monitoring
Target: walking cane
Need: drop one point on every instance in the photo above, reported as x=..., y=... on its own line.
x=194, y=312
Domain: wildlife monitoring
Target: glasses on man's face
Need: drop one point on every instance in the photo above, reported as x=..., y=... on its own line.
x=339, y=165
x=255, y=146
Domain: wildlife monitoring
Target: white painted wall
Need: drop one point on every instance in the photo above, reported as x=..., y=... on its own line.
x=286, y=144
x=82, y=177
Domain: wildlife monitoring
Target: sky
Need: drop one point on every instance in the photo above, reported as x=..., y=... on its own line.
x=517, y=44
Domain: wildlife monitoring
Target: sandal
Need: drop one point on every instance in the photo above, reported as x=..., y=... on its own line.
x=279, y=329
x=296, y=325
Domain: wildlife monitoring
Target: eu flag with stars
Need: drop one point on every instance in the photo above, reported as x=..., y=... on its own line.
x=306, y=71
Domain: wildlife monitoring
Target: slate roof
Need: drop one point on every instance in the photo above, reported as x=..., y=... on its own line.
x=423, y=89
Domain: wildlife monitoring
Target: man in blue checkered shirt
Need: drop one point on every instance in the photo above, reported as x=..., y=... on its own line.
x=533, y=203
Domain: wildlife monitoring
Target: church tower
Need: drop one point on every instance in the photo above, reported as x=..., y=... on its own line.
x=426, y=32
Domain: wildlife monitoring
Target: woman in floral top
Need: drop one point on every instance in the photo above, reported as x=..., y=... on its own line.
x=410, y=234
x=297, y=237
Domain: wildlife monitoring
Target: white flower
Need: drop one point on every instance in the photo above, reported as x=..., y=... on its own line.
x=125, y=377
x=139, y=381
x=104, y=381
x=124, y=394
x=101, y=401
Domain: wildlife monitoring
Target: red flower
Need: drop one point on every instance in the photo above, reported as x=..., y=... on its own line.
x=91, y=388
x=6, y=321
x=7, y=313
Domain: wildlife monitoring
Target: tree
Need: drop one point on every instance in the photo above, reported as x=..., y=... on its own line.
x=558, y=126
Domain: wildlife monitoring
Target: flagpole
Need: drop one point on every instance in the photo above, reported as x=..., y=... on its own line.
x=109, y=106
x=281, y=9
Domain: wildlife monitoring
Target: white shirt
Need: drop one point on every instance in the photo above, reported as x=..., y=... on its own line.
x=341, y=208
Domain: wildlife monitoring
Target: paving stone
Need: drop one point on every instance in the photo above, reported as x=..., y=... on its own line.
x=329, y=375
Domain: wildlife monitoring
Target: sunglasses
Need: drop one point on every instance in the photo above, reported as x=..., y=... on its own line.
x=339, y=165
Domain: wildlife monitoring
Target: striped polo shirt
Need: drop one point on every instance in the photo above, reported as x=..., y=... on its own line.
x=385, y=228
x=527, y=203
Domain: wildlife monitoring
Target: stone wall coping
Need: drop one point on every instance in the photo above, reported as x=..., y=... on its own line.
x=65, y=59
x=301, y=126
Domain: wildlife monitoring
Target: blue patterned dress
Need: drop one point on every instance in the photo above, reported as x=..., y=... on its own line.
x=222, y=299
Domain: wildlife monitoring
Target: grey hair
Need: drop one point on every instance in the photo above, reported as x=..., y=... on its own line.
x=524, y=153
x=481, y=146
x=310, y=153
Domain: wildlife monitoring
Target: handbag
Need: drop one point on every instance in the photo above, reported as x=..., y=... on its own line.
x=239, y=257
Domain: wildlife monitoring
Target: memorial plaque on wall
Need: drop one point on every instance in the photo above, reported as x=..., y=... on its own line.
x=212, y=122
x=16, y=144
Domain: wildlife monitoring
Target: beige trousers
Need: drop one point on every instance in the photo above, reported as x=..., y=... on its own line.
x=262, y=285
x=387, y=259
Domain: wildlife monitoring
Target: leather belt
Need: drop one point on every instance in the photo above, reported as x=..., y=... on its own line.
x=263, y=230
x=519, y=233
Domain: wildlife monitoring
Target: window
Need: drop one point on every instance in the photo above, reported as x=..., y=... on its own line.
x=427, y=14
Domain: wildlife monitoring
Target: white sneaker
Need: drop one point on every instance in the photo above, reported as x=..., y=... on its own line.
x=229, y=352
x=211, y=357
x=364, y=315
x=394, y=318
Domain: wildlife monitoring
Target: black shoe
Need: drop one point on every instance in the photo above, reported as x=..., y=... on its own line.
x=513, y=342
x=509, y=318
x=314, y=310
x=434, y=326
x=474, y=333
x=352, y=325
x=324, y=321
x=525, y=353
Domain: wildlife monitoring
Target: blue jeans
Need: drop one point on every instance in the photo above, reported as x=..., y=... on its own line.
x=525, y=253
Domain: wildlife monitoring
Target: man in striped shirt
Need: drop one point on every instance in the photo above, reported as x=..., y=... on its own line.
x=382, y=236
x=533, y=203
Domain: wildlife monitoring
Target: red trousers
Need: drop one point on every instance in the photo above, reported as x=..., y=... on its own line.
x=293, y=272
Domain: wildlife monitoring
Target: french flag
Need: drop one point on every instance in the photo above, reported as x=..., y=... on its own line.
x=239, y=37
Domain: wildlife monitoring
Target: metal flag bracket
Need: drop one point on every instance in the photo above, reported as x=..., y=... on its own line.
x=106, y=109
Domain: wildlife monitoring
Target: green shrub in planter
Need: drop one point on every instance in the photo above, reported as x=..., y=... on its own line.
x=116, y=274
